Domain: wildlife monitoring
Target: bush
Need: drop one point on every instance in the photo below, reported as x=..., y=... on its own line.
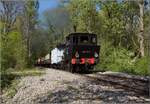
x=119, y=59
x=13, y=52
x=141, y=66
x=6, y=79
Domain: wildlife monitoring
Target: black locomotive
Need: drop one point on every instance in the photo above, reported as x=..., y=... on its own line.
x=79, y=53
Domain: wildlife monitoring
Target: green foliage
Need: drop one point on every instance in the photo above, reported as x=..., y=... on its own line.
x=83, y=15
x=6, y=79
x=31, y=11
x=30, y=20
x=12, y=90
x=120, y=59
x=142, y=66
x=116, y=59
x=10, y=79
x=13, y=51
x=17, y=17
x=117, y=26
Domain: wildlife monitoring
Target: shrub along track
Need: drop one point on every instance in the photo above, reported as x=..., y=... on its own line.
x=131, y=83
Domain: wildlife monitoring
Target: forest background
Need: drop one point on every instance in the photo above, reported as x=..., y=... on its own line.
x=122, y=27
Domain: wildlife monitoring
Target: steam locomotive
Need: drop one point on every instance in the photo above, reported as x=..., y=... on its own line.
x=80, y=52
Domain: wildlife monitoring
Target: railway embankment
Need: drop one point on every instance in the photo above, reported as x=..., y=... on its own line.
x=56, y=86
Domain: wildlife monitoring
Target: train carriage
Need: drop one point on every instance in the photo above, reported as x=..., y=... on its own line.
x=57, y=55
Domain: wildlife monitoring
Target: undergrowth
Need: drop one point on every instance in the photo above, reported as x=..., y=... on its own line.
x=121, y=60
x=10, y=79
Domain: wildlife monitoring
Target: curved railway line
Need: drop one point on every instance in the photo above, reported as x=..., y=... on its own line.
x=138, y=85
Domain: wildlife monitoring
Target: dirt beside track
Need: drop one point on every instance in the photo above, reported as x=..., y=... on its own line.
x=63, y=87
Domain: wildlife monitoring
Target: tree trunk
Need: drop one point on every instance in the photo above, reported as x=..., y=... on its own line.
x=29, y=43
x=141, y=28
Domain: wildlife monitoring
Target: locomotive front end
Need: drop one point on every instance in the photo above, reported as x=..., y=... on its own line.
x=88, y=55
x=82, y=51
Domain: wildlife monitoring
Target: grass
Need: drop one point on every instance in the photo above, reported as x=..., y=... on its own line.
x=10, y=79
x=12, y=89
x=28, y=72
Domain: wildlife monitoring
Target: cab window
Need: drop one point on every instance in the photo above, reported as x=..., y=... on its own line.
x=93, y=40
x=84, y=39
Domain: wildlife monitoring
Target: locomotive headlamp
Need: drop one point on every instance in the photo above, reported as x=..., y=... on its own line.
x=95, y=54
x=77, y=55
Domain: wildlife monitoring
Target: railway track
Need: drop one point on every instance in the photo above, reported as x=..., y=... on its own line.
x=137, y=85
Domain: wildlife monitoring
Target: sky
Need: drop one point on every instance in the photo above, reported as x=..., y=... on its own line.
x=47, y=4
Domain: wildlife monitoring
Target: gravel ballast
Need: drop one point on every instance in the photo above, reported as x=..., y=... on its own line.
x=63, y=87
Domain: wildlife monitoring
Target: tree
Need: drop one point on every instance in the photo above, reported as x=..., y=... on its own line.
x=8, y=13
x=18, y=21
x=29, y=19
x=141, y=27
x=11, y=45
x=83, y=15
x=136, y=10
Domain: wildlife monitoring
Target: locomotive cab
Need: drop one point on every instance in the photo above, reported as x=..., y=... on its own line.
x=82, y=51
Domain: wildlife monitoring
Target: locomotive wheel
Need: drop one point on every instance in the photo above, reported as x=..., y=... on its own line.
x=62, y=67
x=77, y=69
